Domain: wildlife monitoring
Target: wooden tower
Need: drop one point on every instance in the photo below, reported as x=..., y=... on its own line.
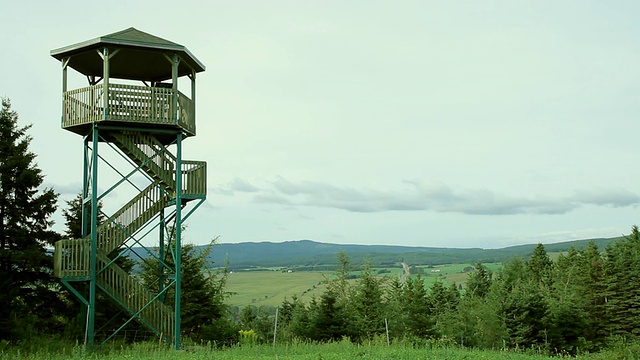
x=133, y=119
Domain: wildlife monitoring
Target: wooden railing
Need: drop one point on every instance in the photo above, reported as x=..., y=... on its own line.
x=194, y=178
x=131, y=217
x=151, y=155
x=161, y=164
x=134, y=297
x=72, y=258
x=83, y=106
x=127, y=103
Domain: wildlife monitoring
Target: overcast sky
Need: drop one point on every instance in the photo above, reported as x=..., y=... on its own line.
x=431, y=123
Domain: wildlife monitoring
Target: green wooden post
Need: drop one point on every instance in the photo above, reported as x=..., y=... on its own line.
x=105, y=83
x=161, y=270
x=65, y=62
x=178, y=238
x=94, y=235
x=193, y=99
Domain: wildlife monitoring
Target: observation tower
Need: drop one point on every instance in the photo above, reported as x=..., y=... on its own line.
x=133, y=119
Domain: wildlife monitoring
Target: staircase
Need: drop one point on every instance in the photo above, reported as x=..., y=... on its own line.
x=72, y=256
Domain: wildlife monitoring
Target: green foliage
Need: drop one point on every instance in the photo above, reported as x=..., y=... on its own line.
x=479, y=281
x=368, y=303
x=443, y=302
x=28, y=295
x=540, y=266
x=417, y=309
x=203, y=293
x=622, y=285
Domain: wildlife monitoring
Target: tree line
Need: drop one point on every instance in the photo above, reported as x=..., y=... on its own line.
x=577, y=302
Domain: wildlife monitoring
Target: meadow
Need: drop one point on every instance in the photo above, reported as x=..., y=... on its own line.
x=54, y=350
x=270, y=286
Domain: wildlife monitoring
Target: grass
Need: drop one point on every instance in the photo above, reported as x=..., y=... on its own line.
x=54, y=349
x=299, y=351
x=270, y=287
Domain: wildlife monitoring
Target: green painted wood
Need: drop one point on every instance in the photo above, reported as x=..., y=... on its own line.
x=132, y=104
x=139, y=57
x=141, y=122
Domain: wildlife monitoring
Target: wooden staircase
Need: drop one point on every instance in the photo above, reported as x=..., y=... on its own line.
x=72, y=256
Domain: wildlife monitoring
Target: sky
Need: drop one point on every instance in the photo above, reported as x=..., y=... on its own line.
x=420, y=123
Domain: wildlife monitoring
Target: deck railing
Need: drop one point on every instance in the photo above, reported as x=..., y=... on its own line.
x=127, y=103
x=72, y=258
x=194, y=178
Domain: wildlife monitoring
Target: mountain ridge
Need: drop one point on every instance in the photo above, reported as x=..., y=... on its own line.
x=312, y=253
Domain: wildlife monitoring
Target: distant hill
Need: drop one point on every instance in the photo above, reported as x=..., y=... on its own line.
x=311, y=254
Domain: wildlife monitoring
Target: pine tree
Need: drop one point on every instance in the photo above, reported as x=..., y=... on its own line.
x=540, y=266
x=622, y=281
x=27, y=297
x=203, y=292
x=479, y=281
x=524, y=307
x=417, y=309
x=442, y=301
x=369, y=306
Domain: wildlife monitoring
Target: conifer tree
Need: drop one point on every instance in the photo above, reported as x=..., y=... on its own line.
x=417, y=309
x=27, y=297
x=479, y=281
x=622, y=274
x=369, y=306
x=203, y=292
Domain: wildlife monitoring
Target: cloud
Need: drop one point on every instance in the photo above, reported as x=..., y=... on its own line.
x=607, y=197
x=418, y=195
x=69, y=189
x=235, y=185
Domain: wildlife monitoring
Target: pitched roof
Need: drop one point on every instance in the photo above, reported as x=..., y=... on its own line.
x=142, y=48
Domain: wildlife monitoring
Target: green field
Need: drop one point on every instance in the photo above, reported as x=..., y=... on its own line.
x=269, y=287
x=54, y=350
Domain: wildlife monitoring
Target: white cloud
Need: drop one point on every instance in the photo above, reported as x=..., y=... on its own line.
x=424, y=196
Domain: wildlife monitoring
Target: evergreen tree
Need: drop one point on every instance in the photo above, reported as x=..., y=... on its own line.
x=323, y=319
x=594, y=293
x=442, y=302
x=417, y=309
x=622, y=286
x=27, y=297
x=479, y=281
x=396, y=316
x=203, y=292
x=369, y=306
x=524, y=307
x=478, y=321
x=540, y=266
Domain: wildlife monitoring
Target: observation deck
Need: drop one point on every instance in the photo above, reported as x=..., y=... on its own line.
x=155, y=104
x=149, y=107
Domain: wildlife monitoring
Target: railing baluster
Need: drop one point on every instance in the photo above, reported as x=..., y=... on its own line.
x=127, y=103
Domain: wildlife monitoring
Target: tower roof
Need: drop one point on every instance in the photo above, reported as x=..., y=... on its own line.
x=141, y=56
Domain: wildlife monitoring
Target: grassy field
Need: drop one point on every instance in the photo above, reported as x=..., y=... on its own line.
x=53, y=350
x=269, y=287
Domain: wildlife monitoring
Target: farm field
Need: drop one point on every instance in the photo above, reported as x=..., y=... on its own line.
x=269, y=287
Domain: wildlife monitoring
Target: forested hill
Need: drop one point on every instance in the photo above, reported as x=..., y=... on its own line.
x=311, y=253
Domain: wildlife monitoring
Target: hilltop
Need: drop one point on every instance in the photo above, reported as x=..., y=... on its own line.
x=312, y=254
